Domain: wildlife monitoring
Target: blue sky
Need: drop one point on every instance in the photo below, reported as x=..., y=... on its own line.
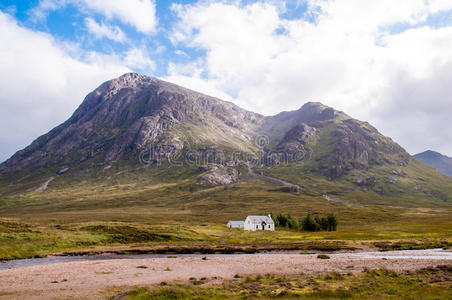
x=68, y=23
x=386, y=62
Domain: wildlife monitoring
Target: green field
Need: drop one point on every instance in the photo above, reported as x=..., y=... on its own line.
x=163, y=208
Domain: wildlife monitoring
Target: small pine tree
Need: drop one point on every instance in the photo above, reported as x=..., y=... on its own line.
x=317, y=219
x=282, y=220
x=324, y=223
x=332, y=222
x=309, y=224
x=293, y=224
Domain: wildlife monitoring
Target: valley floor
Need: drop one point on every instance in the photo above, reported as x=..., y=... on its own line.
x=105, y=278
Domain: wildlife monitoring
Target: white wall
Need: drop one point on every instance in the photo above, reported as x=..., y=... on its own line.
x=234, y=226
x=254, y=227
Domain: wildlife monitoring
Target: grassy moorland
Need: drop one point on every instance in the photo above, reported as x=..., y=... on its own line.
x=432, y=283
x=163, y=209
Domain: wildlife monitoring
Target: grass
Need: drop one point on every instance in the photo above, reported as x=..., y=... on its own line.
x=163, y=210
x=25, y=240
x=166, y=217
x=412, y=245
x=431, y=283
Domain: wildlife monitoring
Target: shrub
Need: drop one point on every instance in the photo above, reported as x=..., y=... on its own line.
x=142, y=267
x=323, y=256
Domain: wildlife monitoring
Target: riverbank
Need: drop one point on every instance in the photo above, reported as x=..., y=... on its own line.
x=90, y=278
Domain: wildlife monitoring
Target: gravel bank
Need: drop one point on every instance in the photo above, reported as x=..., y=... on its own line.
x=87, y=279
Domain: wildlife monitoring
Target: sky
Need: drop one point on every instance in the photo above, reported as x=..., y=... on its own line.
x=386, y=62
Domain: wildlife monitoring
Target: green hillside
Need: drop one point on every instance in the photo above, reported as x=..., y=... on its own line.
x=154, y=207
x=143, y=163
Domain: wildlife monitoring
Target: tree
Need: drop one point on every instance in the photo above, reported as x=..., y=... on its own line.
x=324, y=223
x=282, y=220
x=293, y=224
x=308, y=223
x=332, y=222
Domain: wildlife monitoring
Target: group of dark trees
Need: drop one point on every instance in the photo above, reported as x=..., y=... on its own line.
x=308, y=223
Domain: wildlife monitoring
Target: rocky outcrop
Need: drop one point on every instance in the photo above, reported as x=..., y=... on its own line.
x=219, y=175
x=44, y=185
x=369, y=182
x=294, y=144
x=357, y=145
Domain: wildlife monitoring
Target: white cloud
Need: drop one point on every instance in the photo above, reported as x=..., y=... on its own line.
x=40, y=12
x=348, y=59
x=41, y=84
x=140, y=14
x=380, y=61
x=190, y=76
x=138, y=59
x=113, y=33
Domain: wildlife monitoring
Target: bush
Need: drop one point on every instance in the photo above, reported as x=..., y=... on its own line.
x=323, y=256
x=142, y=267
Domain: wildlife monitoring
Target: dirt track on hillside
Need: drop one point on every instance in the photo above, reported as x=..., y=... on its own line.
x=89, y=279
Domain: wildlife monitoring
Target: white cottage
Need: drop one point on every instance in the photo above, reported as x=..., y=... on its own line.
x=259, y=223
x=235, y=224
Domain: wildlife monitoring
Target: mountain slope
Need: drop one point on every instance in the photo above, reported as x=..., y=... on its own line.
x=441, y=162
x=155, y=129
x=131, y=112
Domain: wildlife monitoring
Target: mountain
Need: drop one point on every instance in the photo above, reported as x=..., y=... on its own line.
x=441, y=162
x=136, y=123
x=129, y=113
x=126, y=115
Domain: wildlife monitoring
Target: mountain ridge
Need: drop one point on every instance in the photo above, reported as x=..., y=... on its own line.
x=119, y=106
x=437, y=160
x=213, y=142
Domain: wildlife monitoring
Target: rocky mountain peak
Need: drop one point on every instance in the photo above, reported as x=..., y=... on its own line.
x=127, y=115
x=316, y=111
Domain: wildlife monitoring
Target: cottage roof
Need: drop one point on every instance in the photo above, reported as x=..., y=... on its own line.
x=260, y=219
x=236, y=222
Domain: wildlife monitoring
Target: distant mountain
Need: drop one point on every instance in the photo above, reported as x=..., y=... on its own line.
x=135, y=122
x=441, y=162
